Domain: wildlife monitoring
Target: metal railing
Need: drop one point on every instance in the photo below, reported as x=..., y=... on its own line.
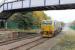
x=11, y=5
x=6, y=3
x=33, y=3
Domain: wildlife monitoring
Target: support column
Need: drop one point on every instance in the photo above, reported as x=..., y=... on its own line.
x=6, y=25
x=2, y=25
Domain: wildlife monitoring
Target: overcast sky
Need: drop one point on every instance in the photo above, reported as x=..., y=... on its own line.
x=1, y=1
x=60, y=15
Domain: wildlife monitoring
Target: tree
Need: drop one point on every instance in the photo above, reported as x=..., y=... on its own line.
x=27, y=20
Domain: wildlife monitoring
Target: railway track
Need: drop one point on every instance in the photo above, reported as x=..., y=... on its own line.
x=18, y=39
x=30, y=45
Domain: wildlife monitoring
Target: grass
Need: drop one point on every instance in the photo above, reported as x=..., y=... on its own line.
x=67, y=42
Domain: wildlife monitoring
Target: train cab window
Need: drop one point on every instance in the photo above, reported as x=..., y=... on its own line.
x=47, y=23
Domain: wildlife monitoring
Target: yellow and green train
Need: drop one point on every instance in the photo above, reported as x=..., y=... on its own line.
x=49, y=28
